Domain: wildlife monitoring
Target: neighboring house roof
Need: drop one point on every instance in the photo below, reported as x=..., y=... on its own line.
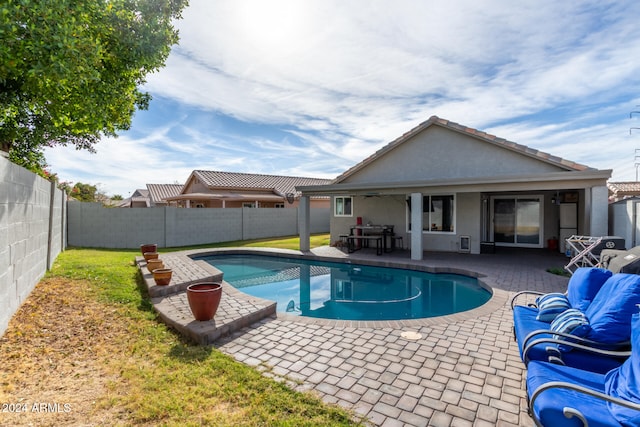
x=492, y=139
x=160, y=192
x=620, y=190
x=139, y=198
x=243, y=182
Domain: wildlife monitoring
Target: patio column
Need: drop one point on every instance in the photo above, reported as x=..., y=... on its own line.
x=304, y=223
x=416, y=226
x=597, y=210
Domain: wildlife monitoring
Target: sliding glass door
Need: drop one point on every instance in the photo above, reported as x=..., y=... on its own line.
x=517, y=221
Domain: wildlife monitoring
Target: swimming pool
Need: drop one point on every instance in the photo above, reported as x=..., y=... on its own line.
x=346, y=291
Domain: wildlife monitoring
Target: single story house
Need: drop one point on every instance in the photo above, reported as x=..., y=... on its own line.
x=465, y=190
x=214, y=189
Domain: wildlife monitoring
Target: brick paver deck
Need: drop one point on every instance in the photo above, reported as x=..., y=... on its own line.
x=464, y=370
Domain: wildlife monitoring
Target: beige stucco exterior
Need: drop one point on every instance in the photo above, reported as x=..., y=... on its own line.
x=440, y=158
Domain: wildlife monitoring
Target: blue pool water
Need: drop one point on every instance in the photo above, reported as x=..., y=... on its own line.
x=333, y=290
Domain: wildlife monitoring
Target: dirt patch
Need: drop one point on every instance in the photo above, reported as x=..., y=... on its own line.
x=54, y=359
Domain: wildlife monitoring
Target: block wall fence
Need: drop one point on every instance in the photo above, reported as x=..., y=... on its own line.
x=92, y=225
x=32, y=234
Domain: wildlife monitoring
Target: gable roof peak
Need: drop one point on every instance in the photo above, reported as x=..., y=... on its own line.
x=472, y=132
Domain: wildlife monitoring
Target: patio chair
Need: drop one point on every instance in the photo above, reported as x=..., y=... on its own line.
x=596, y=339
x=568, y=396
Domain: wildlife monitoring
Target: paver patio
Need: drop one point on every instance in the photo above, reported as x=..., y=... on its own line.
x=465, y=370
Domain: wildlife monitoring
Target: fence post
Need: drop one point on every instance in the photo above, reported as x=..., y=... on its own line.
x=52, y=197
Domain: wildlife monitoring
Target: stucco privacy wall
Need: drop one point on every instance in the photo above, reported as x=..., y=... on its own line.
x=32, y=227
x=91, y=225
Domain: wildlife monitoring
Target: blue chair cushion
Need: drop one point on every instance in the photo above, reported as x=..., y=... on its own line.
x=549, y=406
x=610, y=311
x=572, y=321
x=584, y=284
x=550, y=305
x=624, y=382
x=524, y=322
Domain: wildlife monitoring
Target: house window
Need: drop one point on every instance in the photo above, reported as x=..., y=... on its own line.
x=343, y=206
x=438, y=213
x=248, y=205
x=278, y=205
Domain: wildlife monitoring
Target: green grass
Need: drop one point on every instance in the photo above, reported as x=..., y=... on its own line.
x=163, y=379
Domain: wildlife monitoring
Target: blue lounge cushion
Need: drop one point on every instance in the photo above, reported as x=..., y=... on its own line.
x=524, y=322
x=550, y=305
x=624, y=382
x=584, y=284
x=610, y=311
x=550, y=404
x=572, y=321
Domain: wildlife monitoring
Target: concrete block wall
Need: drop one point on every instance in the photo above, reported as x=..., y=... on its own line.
x=91, y=225
x=32, y=225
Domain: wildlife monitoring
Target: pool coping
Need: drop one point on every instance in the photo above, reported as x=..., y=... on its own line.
x=239, y=310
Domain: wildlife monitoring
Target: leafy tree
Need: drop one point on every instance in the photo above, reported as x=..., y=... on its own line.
x=116, y=197
x=84, y=192
x=70, y=69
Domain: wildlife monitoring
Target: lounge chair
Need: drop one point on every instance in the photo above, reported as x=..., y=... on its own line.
x=567, y=396
x=596, y=339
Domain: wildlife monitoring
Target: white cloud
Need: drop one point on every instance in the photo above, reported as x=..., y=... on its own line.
x=344, y=78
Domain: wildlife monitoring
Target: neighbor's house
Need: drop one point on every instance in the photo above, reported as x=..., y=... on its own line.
x=213, y=189
x=458, y=185
x=158, y=193
x=139, y=199
x=153, y=196
x=623, y=190
x=624, y=211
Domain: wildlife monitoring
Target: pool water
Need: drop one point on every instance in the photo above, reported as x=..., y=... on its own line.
x=333, y=290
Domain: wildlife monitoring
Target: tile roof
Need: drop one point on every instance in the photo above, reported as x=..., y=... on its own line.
x=159, y=192
x=437, y=121
x=624, y=187
x=246, y=181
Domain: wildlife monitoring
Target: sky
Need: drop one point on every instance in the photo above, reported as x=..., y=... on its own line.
x=311, y=87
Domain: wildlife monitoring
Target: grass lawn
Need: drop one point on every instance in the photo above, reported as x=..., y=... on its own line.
x=87, y=343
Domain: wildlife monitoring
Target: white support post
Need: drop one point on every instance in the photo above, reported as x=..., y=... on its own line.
x=304, y=223
x=416, y=226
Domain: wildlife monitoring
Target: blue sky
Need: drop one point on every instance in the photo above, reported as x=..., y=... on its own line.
x=312, y=87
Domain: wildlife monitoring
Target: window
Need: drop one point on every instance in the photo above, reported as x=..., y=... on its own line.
x=437, y=213
x=343, y=206
x=278, y=205
x=248, y=205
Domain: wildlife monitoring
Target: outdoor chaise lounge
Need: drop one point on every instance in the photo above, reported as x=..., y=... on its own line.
x=591, y=332
x=567, y=396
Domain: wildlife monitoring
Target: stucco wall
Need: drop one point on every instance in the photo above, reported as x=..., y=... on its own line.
x=31, y=234
x=91, y=225
x=440, y=154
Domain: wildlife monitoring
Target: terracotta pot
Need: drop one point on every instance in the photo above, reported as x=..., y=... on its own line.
x=162, y=276
x=150, y=255
x=154, y=263
x=204, y=299
x=149, y=247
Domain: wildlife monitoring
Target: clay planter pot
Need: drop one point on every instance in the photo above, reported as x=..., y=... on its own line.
x=150, y=255
x=162, y=276
x=204, y=299
x=149, y=247
x=154, y=263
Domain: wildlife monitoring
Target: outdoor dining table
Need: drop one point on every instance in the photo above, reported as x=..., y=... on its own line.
x=377, y=233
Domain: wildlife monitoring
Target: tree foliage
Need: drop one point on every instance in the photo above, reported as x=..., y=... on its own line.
x=70, y=70
x=84, y=192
